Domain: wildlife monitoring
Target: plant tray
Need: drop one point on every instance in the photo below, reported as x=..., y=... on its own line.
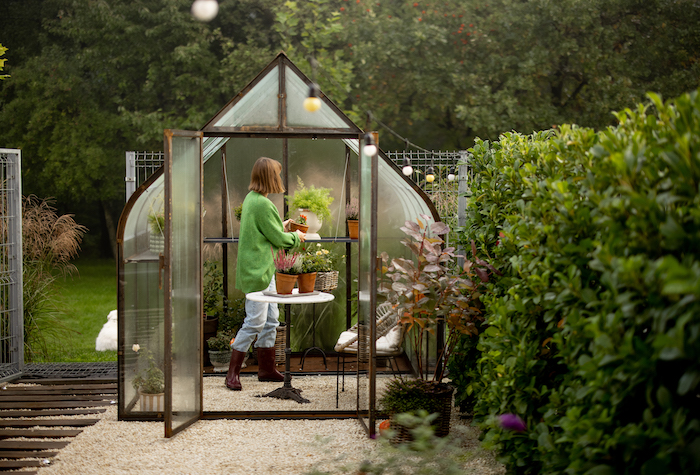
x=285, y=296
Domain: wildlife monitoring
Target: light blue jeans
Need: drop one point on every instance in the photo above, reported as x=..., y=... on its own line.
x=261, y=320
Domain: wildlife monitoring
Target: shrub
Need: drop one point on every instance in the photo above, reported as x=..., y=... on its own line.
x=593, y=331
x=49, y=242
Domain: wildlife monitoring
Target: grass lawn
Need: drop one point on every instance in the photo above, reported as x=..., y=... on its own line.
x=86, y=298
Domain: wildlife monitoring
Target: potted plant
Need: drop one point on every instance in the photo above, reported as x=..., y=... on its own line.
x=313, y=202
x=428, y=292
x=150, y=383
x=212, y=301
x=300, y=224
x=287, y=270
x=156, y=237
x=320, y=260
x=220, y=350
x=352, y=215
x=312, y=262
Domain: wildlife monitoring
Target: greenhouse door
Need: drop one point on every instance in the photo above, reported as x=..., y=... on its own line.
x=183, y=279
x=367, y=284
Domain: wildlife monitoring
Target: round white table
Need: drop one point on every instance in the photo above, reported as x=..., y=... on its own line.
x=287, y=391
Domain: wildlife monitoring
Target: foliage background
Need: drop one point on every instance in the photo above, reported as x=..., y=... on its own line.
x=94, y=78
x=592, y=334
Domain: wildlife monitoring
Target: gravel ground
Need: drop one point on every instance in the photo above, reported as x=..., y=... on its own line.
x=239, y=446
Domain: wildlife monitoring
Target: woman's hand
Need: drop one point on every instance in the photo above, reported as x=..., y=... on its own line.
x=302, y=236
x=286, y=225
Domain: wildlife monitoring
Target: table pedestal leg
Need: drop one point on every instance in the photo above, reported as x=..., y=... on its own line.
x=287, y=391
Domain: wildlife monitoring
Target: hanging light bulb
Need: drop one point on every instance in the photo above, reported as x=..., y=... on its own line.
x=407, y=168
x=451, y=175
x=205, y=10
x=430, y=175
x=370, y=148
x=312, y=103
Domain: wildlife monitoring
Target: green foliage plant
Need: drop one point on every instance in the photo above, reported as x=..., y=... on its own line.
x=220, y=342
x=593, y=332
x=148, y=380
x=425, y=454
x=212, y=289
x=316, y=200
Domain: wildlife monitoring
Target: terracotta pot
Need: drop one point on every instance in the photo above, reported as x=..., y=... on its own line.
x=301, y=227
x=285, y=283
x=353, y=228
x=306, y=282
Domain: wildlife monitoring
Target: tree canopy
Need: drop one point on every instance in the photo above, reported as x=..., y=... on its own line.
x=94, y=78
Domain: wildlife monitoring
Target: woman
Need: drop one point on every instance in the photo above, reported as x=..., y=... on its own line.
x=262, y=233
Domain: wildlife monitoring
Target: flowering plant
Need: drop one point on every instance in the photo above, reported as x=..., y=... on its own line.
x=286, y=263
x=302, y=219
x=431, y=289
x=352, y=209
x=317, y=259
x=150, y=380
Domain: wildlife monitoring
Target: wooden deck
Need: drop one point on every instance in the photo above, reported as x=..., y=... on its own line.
x=30, y=432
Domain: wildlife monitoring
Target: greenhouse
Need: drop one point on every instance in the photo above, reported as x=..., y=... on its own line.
x=178, y=239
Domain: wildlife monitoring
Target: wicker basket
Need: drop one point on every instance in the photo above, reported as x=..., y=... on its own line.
x=280, y=343
x=326, y=281
x=441, y=424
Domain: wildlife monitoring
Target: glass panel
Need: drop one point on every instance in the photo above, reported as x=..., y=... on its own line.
x=184, y=307
x=258, y=107
x=141, y=314
x=297, y=90
x=321, y=163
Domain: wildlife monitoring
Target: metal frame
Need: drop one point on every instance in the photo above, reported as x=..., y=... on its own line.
x=11, y=299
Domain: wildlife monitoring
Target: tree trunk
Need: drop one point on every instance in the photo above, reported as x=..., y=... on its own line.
x=111, y=227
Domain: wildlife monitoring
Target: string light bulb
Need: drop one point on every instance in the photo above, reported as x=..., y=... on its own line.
x=407, y=169
x=205, y=10
x=430, y=175
x=312, y=103
x=370, y=148
x=451, y=175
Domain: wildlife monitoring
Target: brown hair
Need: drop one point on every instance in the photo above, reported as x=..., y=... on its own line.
x=265, y=177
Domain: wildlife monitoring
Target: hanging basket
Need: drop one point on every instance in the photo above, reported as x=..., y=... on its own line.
x=326, y=281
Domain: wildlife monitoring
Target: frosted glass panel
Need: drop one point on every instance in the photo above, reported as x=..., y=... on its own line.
x=259, y=106
x=185, y=321
x=297, y=116
x=142, y=312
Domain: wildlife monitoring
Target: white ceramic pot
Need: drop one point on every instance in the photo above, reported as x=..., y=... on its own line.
x=152, y=402
x=313, y=222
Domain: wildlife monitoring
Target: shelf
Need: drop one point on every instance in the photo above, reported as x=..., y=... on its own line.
x=215, y=240
x=146, y=256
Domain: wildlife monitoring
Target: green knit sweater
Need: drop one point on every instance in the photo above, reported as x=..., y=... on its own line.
x=261, y=230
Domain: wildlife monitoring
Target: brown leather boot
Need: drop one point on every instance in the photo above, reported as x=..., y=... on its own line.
x=234, y=370
x=266, y=366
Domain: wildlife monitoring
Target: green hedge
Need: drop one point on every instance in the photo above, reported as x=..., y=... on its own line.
x=593, y=332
